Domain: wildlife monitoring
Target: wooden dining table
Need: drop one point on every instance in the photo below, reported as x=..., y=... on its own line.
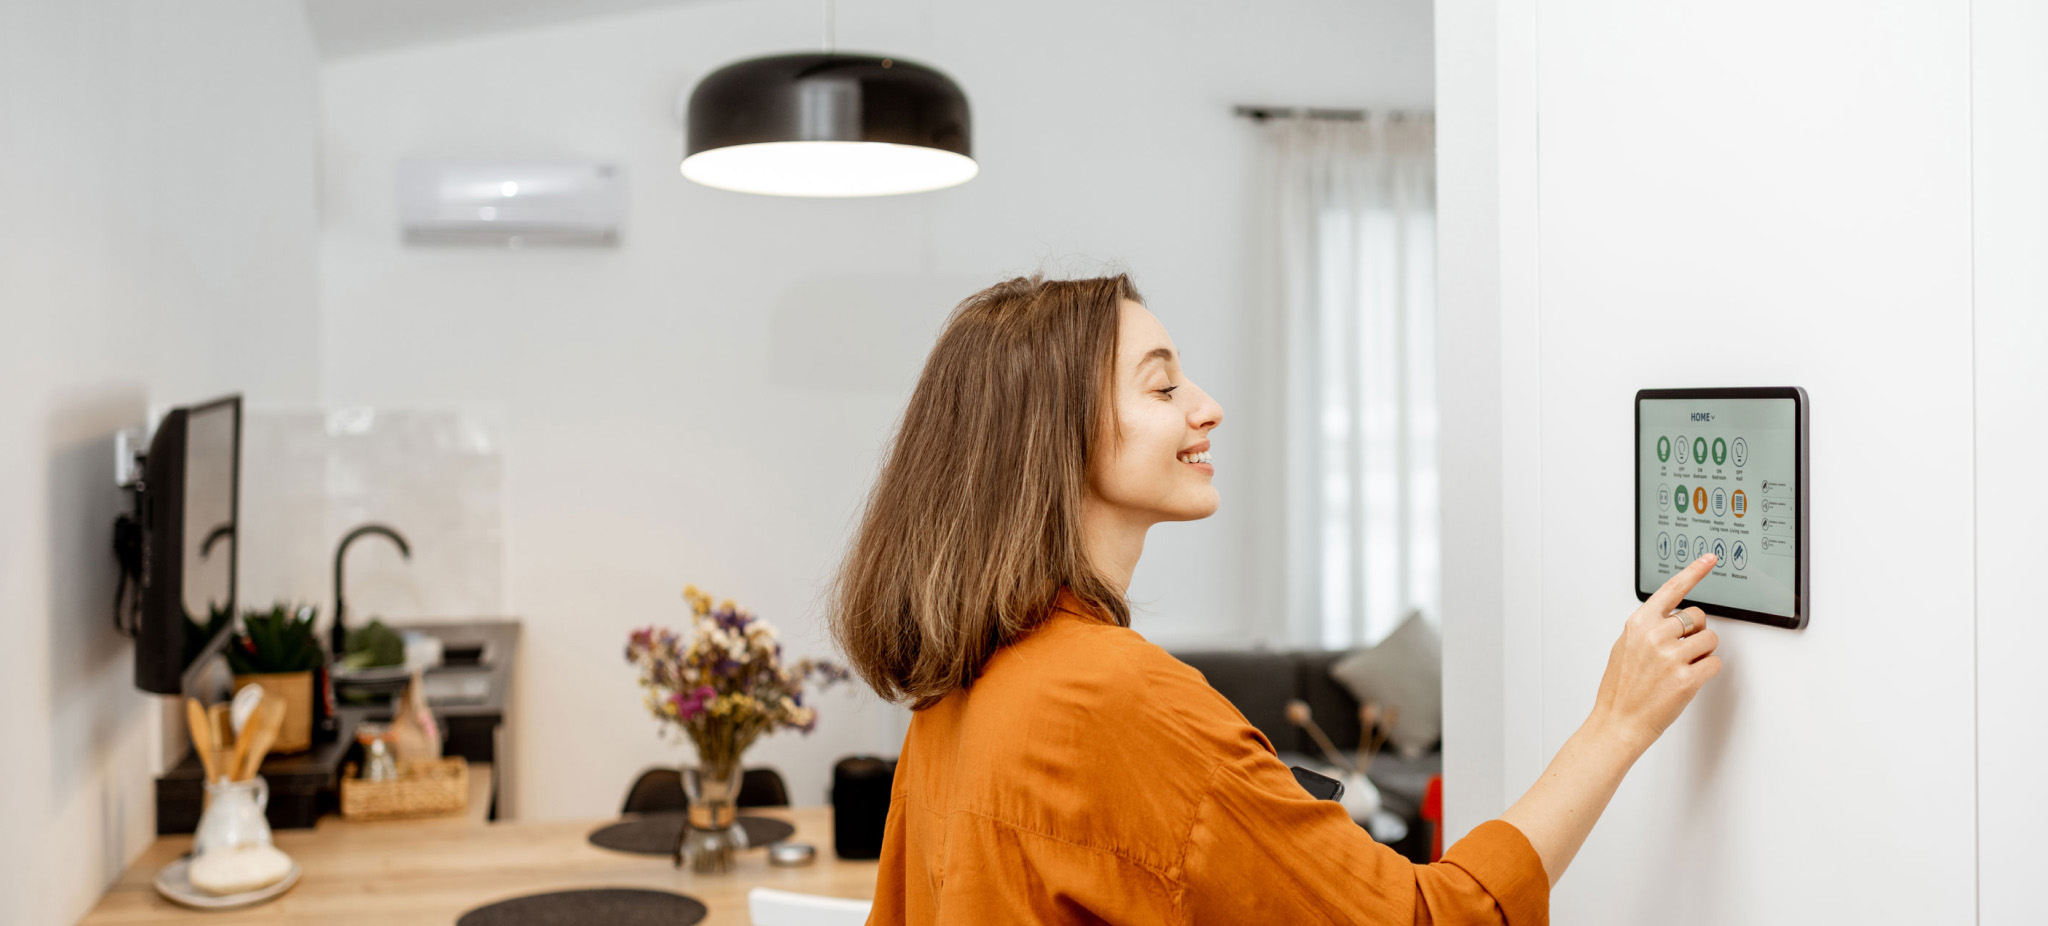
x=430, y=871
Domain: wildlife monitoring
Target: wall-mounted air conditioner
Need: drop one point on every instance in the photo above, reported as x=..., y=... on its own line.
x=507, y=203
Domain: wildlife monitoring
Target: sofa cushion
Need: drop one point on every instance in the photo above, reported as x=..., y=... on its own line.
x=1404, y=670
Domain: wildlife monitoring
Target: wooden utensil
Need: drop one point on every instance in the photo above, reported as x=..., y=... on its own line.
x=223, y=737
x=243, y=704
x=202, y=737
x=243, y=707
x=257, y=736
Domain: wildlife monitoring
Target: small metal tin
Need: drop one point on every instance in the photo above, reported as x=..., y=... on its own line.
x=792, y=854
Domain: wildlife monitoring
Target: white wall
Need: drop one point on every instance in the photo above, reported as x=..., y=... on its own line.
x=2009, y=135
x=156, y=247
x=1768, y=195
x=706, y=403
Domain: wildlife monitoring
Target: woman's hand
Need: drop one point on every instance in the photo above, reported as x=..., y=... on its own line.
x=1654, y=671
x=1652, y=674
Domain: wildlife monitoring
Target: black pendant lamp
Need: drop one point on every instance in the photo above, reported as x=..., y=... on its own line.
x=827, y=124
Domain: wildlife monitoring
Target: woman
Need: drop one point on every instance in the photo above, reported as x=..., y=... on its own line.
x=1061, y=769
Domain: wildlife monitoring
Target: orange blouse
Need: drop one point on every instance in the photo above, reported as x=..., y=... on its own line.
x=1090, y=777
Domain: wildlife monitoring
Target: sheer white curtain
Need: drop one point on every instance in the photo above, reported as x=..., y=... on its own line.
x=1354, y=210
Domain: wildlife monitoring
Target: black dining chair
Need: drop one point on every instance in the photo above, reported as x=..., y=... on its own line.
x=661, y=789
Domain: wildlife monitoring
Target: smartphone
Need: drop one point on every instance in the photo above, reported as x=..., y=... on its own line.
x=1320, y=787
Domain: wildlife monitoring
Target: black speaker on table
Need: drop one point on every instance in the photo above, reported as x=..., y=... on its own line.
x=860, y=805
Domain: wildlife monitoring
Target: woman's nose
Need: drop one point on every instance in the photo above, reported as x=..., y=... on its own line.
x=1206, y=414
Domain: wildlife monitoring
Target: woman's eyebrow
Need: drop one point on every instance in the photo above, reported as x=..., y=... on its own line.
x=1157, y=353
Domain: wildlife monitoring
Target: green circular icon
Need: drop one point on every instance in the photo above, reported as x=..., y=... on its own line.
x=1663, y=450
x=1699, y=450
x=1684, y=498
x=1720, y=451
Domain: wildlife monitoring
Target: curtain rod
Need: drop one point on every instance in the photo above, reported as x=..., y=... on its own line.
x=1263, y=113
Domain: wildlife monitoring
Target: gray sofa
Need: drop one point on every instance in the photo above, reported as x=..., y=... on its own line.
x=1261, y=682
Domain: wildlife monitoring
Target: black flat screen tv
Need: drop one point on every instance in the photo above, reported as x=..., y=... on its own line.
x=191, y=502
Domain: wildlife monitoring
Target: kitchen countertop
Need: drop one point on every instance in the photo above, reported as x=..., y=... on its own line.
x=429, y=872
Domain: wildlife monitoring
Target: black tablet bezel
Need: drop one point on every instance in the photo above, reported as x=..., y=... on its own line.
x=1801, y=601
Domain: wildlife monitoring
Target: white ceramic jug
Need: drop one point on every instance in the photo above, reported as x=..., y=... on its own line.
x=234, y=816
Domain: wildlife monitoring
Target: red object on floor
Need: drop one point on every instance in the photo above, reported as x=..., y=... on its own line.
x=1433, y=813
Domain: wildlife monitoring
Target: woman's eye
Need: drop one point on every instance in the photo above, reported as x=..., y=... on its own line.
x=1167, y=392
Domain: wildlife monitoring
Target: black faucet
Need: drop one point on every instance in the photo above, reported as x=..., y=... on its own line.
x=340, y=633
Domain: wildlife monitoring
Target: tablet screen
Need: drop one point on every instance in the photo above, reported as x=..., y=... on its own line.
x=1720, y=475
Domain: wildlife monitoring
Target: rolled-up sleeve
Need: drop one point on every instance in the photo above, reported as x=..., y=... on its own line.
x=1261, y=850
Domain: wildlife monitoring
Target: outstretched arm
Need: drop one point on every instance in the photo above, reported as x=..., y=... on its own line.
x=1652, y=674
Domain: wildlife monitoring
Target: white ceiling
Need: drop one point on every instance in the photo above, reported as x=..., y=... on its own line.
x=348, y=27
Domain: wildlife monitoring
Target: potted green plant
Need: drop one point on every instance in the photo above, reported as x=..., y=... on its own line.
x=278, y=650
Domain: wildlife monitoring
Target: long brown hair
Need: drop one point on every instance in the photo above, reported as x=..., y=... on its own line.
x=974, y=524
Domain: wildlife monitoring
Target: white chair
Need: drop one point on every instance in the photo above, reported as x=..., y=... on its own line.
x=783, y=908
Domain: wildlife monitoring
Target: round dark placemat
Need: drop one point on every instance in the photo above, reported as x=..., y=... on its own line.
x=610, y=906
x=655, y=833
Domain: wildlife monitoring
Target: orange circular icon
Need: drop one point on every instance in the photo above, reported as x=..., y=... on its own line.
x=1699, y=499
x=1739, y=503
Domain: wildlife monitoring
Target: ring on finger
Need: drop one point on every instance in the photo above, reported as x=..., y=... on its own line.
x=1684, y=623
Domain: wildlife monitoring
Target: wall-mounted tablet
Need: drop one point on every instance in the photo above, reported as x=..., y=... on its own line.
x=1723, y=471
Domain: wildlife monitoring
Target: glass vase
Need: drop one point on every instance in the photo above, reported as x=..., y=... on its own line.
x=712, y=836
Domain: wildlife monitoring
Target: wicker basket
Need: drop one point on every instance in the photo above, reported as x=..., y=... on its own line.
x=422, y=789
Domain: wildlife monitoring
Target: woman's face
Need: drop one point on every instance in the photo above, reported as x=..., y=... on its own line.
x=1158, y=469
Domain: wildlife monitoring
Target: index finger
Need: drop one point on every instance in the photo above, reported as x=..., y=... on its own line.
x=1676, y=587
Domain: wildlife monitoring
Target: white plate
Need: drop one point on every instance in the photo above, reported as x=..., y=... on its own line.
x=175, y=883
